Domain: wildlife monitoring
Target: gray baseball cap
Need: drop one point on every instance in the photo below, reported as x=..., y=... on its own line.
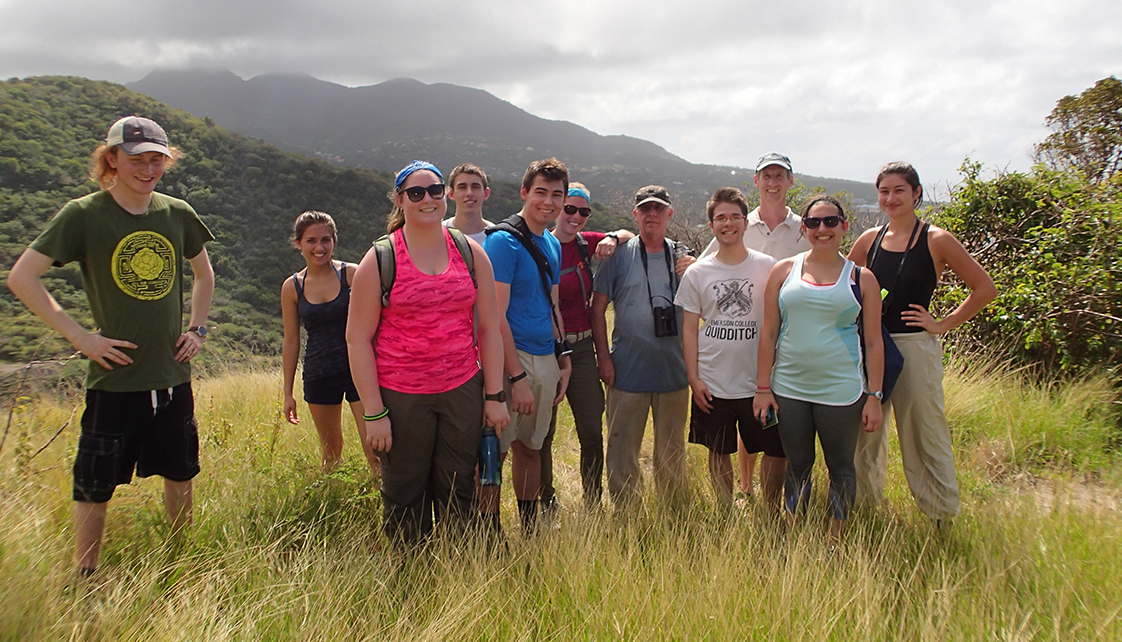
x=135, y=135
x=773, y=158
x=652, y=193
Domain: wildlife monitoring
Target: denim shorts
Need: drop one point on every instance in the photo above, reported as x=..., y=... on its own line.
x=153, y=432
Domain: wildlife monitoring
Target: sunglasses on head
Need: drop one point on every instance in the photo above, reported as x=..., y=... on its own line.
x=573, y=209
x=812, y=222
x=417, y=194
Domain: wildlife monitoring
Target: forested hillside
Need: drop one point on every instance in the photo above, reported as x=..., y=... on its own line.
x=246, y=191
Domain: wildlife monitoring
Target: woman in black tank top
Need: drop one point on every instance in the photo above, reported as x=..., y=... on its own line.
x=318, y=297
x=907, y=256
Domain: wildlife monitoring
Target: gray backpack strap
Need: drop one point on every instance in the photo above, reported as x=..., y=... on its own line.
x=461, y=241
x=583, y=253
x=387, y=265
x=387, y=260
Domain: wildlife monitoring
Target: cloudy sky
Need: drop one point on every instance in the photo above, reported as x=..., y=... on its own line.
x=841, y=86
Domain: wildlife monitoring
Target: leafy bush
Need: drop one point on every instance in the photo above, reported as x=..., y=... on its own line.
x=1050, y=241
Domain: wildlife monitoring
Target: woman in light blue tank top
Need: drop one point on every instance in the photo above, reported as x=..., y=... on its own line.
x=811, y=370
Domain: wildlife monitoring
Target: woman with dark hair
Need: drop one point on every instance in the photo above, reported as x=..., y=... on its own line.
x=811, y=370
x=416, y=365
x=908, y=255
x=318, y=297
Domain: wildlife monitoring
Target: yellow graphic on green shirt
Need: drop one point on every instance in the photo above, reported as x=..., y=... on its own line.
x=144, y=265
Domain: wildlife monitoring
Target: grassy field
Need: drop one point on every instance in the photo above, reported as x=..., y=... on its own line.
x=281, y=551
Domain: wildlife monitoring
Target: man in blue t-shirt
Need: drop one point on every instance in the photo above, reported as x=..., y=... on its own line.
x=645, y=371
x=530, y=322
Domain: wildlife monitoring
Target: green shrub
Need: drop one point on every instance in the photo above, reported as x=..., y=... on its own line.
x=1050, y=241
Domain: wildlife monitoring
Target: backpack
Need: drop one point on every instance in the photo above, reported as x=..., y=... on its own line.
x=586, y=261
x=387, y=260
x=893, y=358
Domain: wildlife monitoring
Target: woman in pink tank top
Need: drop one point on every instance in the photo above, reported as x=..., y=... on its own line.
x=416, y=365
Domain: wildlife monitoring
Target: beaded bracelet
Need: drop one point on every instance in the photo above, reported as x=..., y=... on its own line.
x=385, y=413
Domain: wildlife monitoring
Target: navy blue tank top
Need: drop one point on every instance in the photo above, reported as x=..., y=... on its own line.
x=325, y=350
x=916, y=284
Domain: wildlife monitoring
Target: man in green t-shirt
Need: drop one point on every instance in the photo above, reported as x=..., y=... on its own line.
x=130, y=243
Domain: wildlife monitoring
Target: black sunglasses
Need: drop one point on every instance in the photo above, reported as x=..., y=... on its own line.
x=417, y=194
x=573, y=209
x=812, y=223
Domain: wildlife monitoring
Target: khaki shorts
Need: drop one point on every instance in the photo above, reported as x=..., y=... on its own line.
x=542, y=375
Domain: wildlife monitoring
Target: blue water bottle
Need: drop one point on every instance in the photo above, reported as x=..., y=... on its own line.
x=490, y=461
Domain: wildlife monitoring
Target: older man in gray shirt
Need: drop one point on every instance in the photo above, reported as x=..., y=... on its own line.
x=644, y=370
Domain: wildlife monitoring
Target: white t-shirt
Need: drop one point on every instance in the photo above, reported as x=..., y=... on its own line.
x=785, y=241
x=478, y=237
x=730, y=298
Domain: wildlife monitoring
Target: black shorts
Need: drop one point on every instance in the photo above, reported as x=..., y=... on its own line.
x=156, y=435
x=716, y=430
x=331, y=390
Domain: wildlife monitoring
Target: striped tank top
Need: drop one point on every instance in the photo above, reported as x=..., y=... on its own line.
x=818, y=355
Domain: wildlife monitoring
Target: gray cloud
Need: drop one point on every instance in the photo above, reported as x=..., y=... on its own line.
x=840, y=86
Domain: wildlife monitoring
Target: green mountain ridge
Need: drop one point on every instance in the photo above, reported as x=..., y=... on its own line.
x=385, y=126
x=247, y=192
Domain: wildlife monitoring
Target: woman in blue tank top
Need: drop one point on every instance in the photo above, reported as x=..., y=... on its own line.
x=810, y=365
x=318, y=298
x=908, y=256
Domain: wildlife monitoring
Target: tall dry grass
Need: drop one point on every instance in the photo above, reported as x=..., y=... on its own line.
x=281, y=551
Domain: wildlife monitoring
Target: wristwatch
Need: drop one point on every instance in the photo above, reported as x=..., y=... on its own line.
x=199, y=330
x=499, y=396
x=878, y=394
x=613, y=236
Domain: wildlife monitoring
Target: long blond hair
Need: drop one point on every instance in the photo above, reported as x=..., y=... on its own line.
x=106, y=175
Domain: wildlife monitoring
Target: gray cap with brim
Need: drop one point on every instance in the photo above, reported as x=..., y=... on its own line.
x=773, y=158
x=135, y=135
x=652, y=194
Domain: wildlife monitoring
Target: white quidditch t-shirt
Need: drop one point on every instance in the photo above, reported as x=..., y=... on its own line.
x=730, y=299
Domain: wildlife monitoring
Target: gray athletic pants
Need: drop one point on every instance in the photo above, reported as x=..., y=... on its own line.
x=837, y=428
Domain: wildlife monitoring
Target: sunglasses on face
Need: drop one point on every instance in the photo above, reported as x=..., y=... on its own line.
x=417, y=194
x=573, y=209
x=652, y=208
x=812, y=223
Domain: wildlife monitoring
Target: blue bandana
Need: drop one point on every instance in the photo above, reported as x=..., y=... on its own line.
x=580, y=192
x=412, y=167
